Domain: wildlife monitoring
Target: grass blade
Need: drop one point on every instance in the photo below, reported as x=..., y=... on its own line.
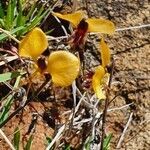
x=20, y=17
x=29, y=143
x=10, y=14
x=14, y=31
x=16, y=139
x=2, y=23
x=107, y=142
x=2, y=14
x=48, y=139
x=6, y=139
x=5, y=109
x=88, y=142
x=36, y=20
x=28, y=17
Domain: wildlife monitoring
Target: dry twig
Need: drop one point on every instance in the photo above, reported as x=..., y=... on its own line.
x=124, y=131
x=6, y=139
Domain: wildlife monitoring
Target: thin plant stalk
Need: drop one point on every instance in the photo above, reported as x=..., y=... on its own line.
x=6, y=139
x=9, y=35
x=106, y=106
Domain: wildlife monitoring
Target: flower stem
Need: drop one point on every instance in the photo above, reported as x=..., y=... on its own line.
x=106, y=107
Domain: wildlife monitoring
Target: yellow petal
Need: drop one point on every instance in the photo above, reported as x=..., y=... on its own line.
x=105, y=53
x=63, y=67
x=73, y=18
x=97, y=82
x=100, y=25
x=33, y=44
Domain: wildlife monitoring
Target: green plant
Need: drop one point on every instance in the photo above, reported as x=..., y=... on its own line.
x=62, y=66
x=48, y=140
x=88, y=143
x=9, y=99
x=10, y=75
x=29, y=143
x=16, y=139
x=107, y=142
x=67, y=147
x=15, y=18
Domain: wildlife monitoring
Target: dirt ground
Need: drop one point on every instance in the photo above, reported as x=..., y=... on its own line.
x=131, y=51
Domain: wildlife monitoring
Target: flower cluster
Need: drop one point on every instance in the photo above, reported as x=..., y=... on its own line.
x=63, y=66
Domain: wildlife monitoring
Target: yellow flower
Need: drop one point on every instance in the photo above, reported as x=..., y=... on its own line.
x=33, y=44
x=83, y=25
x=94, y=25
x=105, y=53
x=63, y=66
x=101, y=77
x=97, y=82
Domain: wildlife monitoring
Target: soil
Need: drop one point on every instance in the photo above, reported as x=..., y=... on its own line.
x=131, y=81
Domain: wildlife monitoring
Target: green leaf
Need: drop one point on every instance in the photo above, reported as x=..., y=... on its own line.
x=5, y=109
x=88, y=143
x=40, y=11
x=20, y=21
x=107, y=142
x=14, y=31
x=2, y=23
x=16, y=139
x=29, y=27
x=20, y=17
x=36, y=20
x=2, y=14
x=29, y=143
x=10, y=75
x=67, y=147
x=10, y=13
x=48, y=140
x=17, y=16
x=17, y=82
x=50, y=31
x=30, y=13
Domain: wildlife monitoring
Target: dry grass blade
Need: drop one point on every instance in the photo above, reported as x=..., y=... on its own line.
x=127, y=28
x=62, y=128
x=134, y=27
x=8, y=59
x=56, y=38
x=119, y=108
x=58, y=135
x=124, y=131
x=63, y=28
x=100, y=113
x=74, y=90
x=7, y=140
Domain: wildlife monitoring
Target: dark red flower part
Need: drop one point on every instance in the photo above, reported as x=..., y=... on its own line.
x=80, y=33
